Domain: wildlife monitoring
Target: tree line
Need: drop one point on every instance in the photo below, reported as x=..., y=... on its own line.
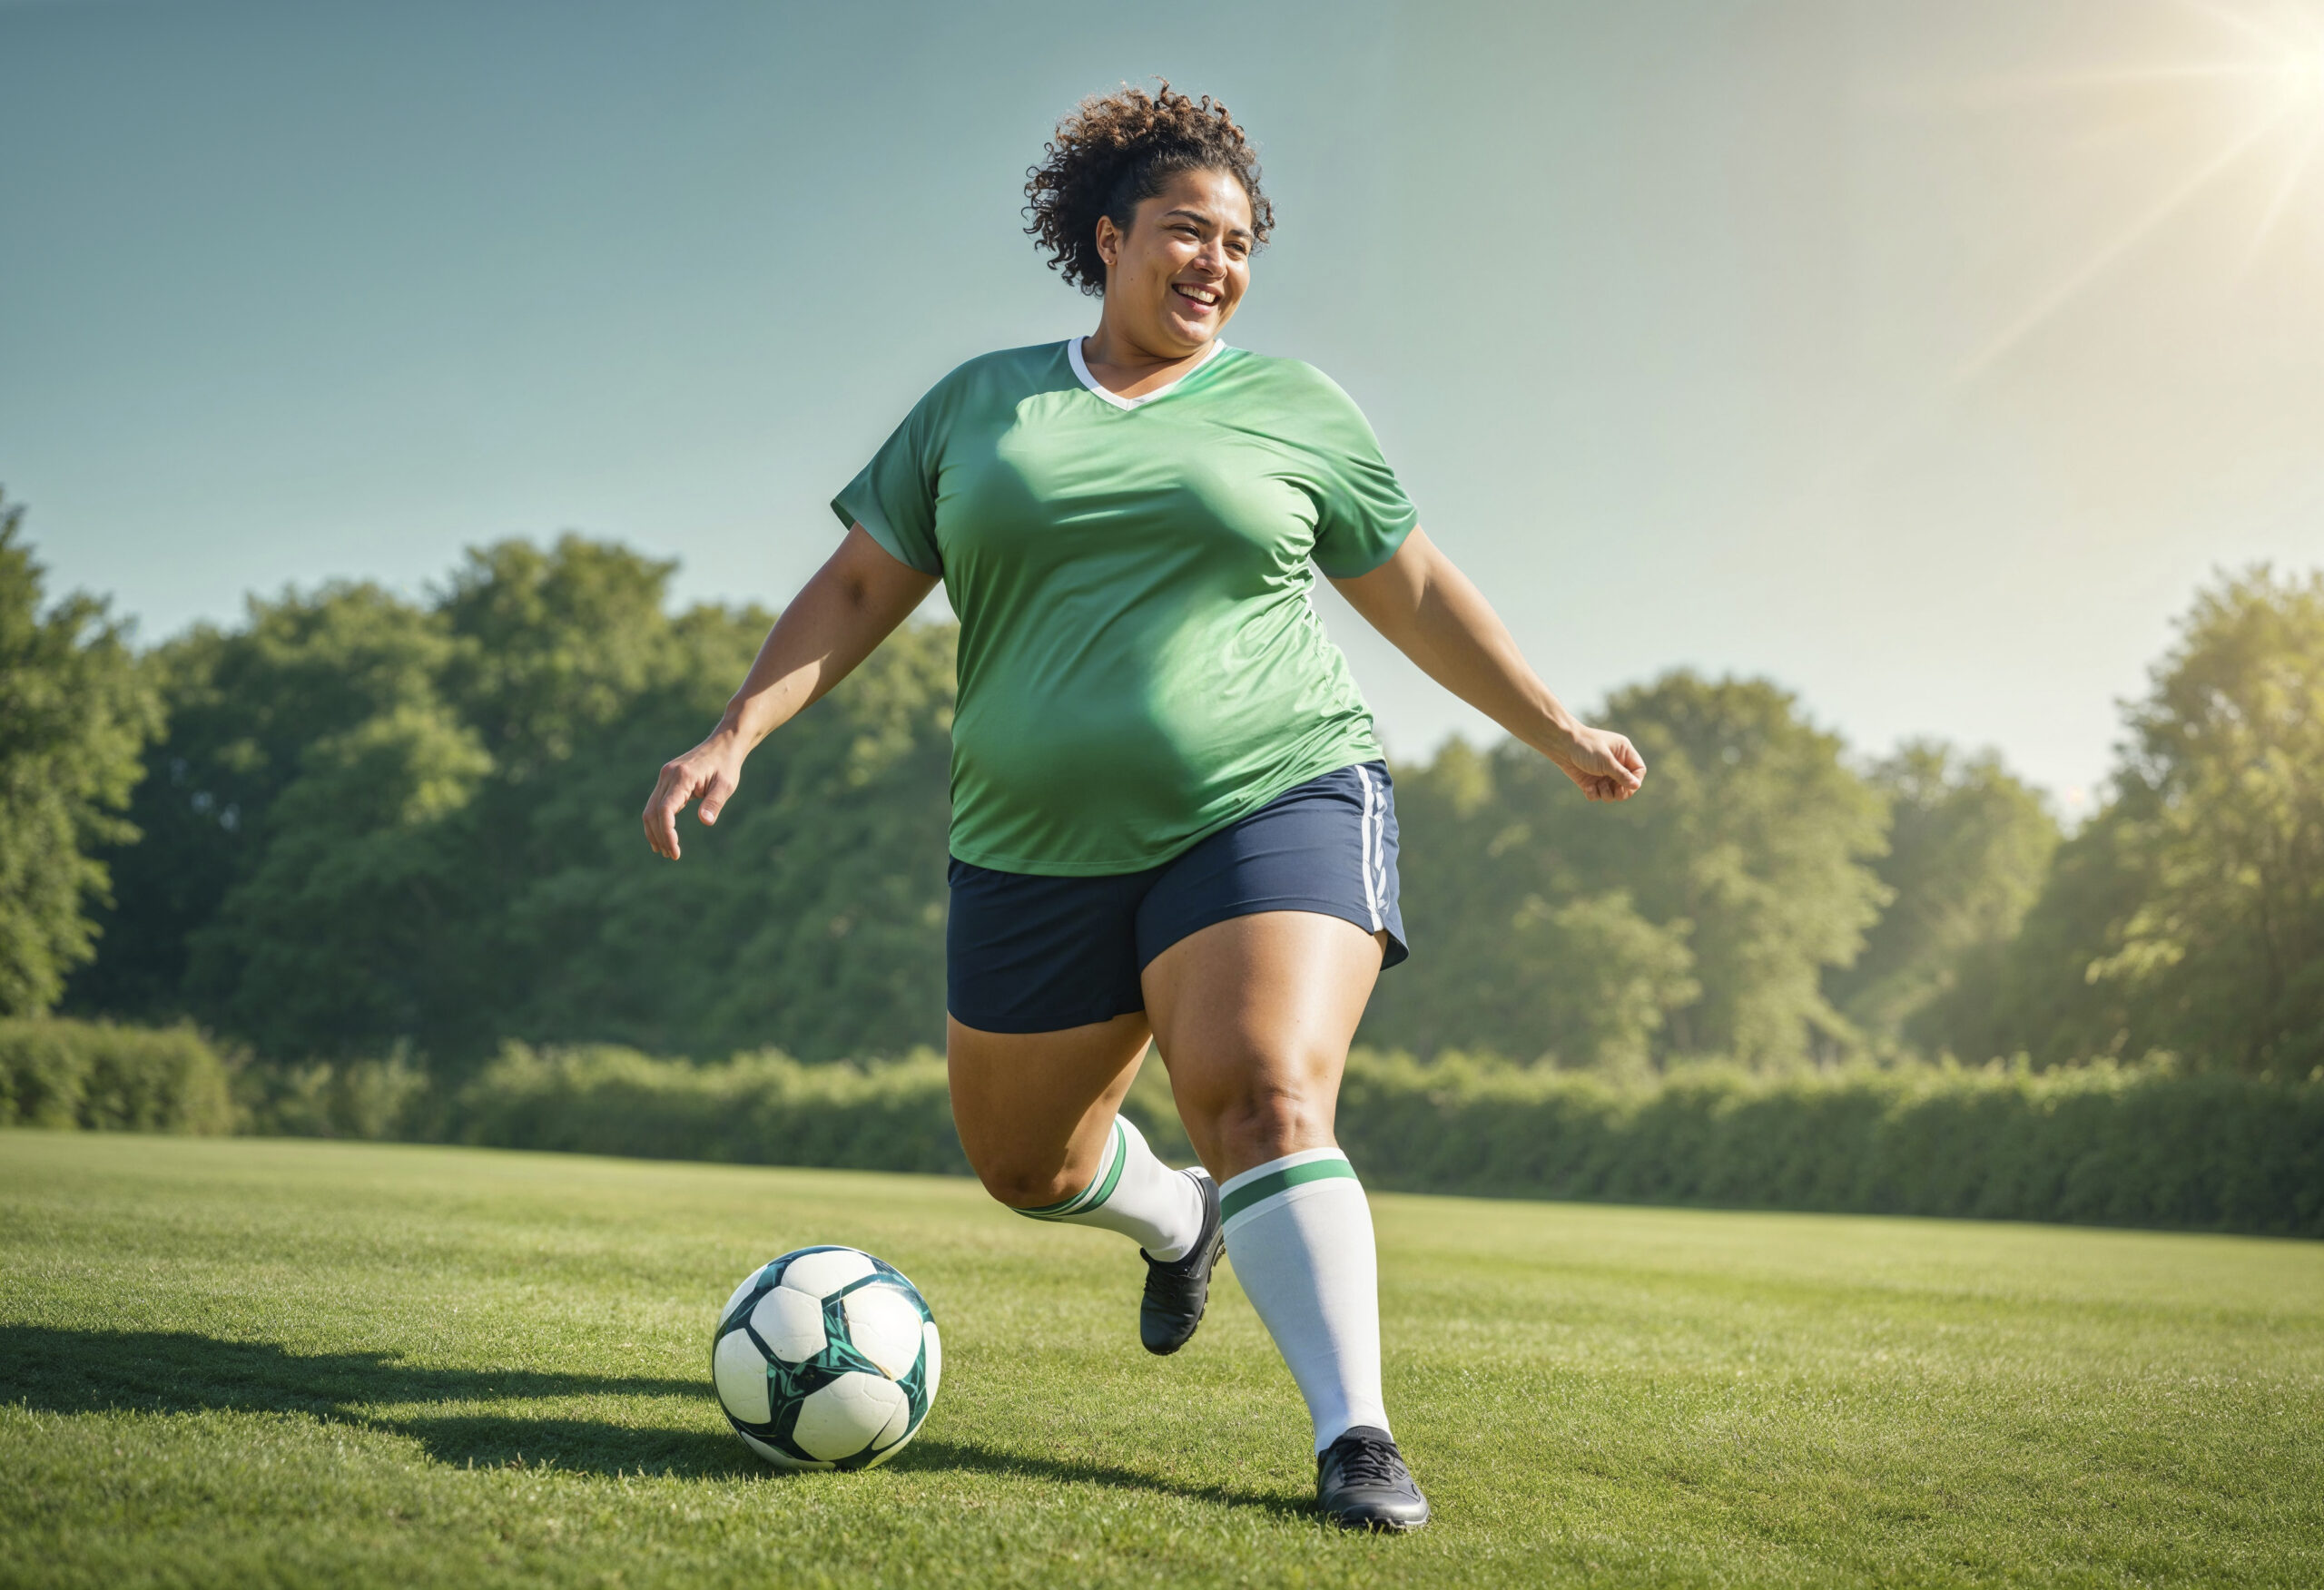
x=357, y=823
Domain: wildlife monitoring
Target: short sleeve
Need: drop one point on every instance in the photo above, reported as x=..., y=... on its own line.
x=1363, y=514
x=894, y=497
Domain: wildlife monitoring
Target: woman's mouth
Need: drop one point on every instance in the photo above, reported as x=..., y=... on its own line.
x=1203, y=300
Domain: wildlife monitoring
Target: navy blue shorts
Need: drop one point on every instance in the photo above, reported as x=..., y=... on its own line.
x=1025, y=954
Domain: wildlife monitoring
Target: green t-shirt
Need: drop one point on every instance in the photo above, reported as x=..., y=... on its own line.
x=1139, y=666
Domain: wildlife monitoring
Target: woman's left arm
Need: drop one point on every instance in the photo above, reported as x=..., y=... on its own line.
x=1436, y=617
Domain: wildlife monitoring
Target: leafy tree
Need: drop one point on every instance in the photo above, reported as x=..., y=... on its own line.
x=386, y=828
x=2189, y=915
x=372, y=820
x=2034, y=993
x=375, y=821
x=1511, y=955
x=361, y=923
x=244, y=707
x=75, y=710
x=561, y=642
x=2225, y=790
x=1755, y=834
x=1968, y=848
x=811, y=916
x=1714, y=901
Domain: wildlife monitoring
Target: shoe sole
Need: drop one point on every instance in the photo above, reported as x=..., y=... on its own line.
x=1378, y=1526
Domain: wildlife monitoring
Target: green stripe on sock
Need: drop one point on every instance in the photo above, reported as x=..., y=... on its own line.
x=1094, y=1194
x=1114, y=1176
x=1282, y=1181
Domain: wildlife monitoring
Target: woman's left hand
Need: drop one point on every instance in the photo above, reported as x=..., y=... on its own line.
x=1605, y=764
x=1434, y=616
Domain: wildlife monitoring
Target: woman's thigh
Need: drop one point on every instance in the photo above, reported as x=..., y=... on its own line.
x=1253, y=1017
x=1033, y=1108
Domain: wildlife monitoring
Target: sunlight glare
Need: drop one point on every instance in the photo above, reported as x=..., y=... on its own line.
x=2297, y=73
x=2291, y=35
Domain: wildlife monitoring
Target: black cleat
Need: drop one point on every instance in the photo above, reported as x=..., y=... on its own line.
x=1362, y=1482
x=1176, y=1293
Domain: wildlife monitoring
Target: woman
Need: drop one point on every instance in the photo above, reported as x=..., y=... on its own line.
x=1170, y=817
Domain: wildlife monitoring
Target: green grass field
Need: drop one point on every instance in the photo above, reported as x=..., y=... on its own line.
x=277, y=1363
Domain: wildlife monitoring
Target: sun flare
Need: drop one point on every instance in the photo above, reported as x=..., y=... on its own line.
x=2261, y=64
x=2284, y=63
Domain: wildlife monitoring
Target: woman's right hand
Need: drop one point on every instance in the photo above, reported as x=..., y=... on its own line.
x=859, y=594
x=711, y=770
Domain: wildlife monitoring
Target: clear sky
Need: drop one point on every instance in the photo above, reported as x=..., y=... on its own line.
x=1925, y=357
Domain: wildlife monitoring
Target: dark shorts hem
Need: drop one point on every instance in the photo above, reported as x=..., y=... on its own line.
x=1396, y=952
x=1044, y=1020
x=1030, y=953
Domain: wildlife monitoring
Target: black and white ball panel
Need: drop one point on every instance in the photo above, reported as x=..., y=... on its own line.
x=826, y=1357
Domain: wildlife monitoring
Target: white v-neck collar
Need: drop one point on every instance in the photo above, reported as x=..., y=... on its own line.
x=1081, y=371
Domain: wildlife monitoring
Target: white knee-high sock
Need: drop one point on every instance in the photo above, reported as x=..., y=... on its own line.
x=1137, y=1194
x=1299, y=1231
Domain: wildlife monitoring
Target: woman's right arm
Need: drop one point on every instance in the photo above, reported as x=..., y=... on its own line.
x=853, y=602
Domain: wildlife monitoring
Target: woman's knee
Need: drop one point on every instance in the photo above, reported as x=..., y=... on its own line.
x=1027, y=1169
x=1022, y=1181
x=1261, y=1121
x=1032, y=1108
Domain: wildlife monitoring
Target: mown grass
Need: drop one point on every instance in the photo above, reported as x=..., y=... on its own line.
x=254, y=1362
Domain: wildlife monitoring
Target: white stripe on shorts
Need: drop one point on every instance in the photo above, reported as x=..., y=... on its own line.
x=1371, y=840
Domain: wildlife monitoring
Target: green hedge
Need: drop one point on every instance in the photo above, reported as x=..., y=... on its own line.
x=2139, y=1145
x=757, y=1109
x=2100, y=1144
x=99, y=1076
x=2104, y=1145
x=345, y=1098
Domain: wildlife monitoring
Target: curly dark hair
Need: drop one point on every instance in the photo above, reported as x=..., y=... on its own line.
x=1117, y=150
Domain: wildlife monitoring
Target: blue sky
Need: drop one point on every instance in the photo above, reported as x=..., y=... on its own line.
x=1925, y=359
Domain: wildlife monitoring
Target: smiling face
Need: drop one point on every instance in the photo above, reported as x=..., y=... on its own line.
x=1173, y=278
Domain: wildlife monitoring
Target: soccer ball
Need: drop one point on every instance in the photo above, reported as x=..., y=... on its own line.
x=826, y=1357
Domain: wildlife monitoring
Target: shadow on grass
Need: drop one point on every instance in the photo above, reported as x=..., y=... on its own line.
x=176, y=1371
x=924, y=1454
x=92, y=1371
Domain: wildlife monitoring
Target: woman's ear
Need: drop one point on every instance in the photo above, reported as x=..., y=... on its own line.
x=1110, y=240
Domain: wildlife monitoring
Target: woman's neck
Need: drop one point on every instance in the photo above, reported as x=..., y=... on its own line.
x=1126, y=368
